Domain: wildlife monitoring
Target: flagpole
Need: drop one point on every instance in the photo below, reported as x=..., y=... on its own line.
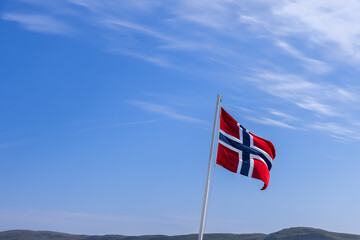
x=207, y=183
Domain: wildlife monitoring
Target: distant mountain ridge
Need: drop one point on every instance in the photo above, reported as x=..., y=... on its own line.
x=298, y=233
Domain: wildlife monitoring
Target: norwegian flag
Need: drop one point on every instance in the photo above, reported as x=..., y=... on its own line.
x=240, y=151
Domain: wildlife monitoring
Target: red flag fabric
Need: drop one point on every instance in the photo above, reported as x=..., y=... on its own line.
x=240, y=151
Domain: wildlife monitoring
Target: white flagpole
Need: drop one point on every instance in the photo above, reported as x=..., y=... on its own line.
x=207, y=184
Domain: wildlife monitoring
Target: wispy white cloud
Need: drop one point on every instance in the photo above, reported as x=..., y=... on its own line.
x=136, y=27
x=324, y=22
x=309, y=19
x=38, y=23
x=101, y=6
x=89, y=4
x=239, y=108
x=169, y=41
x=308, y=95
x=282, y=115
x=157, y=60
x=222, y=34
x=152, y=59
x=313, y=65
x=340, y=131
x=164, y=110
x=328, y=26
x=271, y=122
x=216, y=15
x=251, y=20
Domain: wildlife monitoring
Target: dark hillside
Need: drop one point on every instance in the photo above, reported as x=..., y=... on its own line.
x=309, y=234
x=286, y=234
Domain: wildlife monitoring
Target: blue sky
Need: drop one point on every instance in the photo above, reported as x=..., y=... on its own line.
x=107, y=109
